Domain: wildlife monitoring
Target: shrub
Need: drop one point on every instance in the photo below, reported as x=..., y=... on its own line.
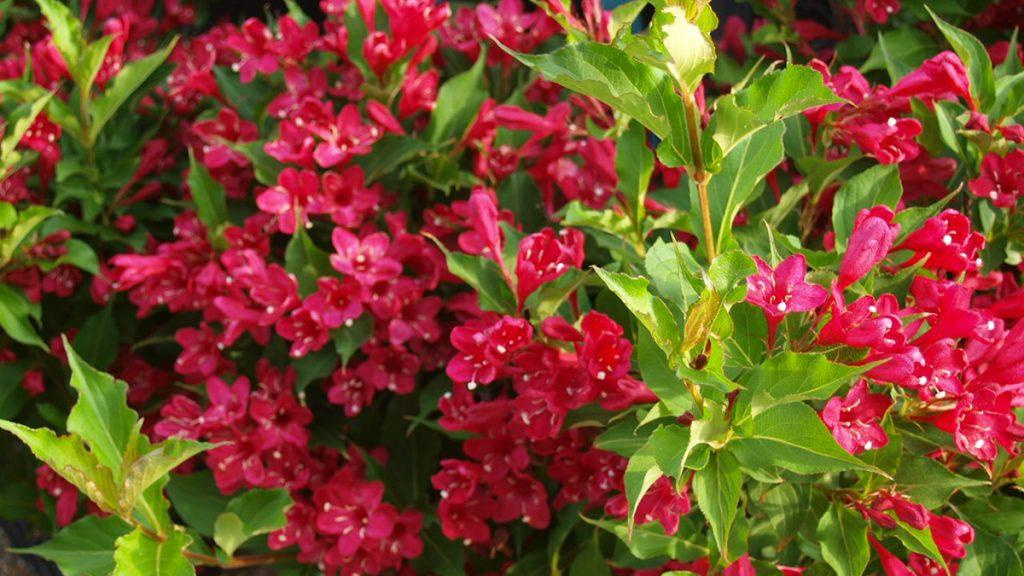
x=408, y=287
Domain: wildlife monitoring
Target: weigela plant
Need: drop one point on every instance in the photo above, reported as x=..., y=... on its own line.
x=411, y=287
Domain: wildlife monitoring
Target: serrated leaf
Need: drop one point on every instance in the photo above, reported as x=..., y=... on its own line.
x=609, y=74
x=650, y=310
x=101, y=416
x=928, y=482
x=787, y=92
x=85, y=547
x=717, y=487
x=792, y=377
x=154, y=465
x=792, y=436
x=70, y=459
x=140, y=555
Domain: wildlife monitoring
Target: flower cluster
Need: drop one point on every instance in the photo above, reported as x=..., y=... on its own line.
x=514, y=288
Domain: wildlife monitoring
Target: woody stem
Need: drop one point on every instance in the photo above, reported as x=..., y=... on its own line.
x=700, y=175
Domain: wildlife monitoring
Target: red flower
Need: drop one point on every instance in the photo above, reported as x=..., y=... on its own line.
x=289, y=200
x=1001, y=179
x=874, y=232
x=946, y=242
x=545, y=256
x=854, y=420
x=365, y=259
x=942, y=77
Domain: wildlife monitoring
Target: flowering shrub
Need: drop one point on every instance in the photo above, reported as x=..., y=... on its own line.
x=407, y=287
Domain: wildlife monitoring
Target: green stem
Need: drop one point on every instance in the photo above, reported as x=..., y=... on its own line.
x=700, y=174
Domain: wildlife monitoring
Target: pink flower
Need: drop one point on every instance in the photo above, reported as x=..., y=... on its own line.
x=874, y=232
x=485, y=347
x=661, y=503
x=854, y=420
x=289, y=200
x=255, y=44
x=544, y=257
x=604, y=353
x=891, y=142
x=946, y=242
x=343, y=137
x=951, y=536
x=783, y=290
x=942, y=77
x=419, y=92
x=366, y=259
x=880, y=10
x=1001, y=179
x=982, y=422
x=349, y=391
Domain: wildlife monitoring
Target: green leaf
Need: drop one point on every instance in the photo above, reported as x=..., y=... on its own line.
x=89, y=64
x=844, y=540
x=440, y=556
x=69, y=458
x=793, y=437
x=876, y=186
x=784, y=93
x=928, y=482
x=741, y=176
x=642, y=471
x=349, y=339
x=620, y=439
x=66, y=30
x=718, y=487
x=638, y=90
x=389, y=153
x=97, y=341
x=729, y=270
x=121, y=88
x=101, y=416
x=590, y=561
x=634, y=163
x=14, y=317
x=650, y=310
x=18, y=123
x=674, y=272
x=197, y=500
x=668, y=445
x=306, y=261
x=650, y=541
x=900, y=51
x=485, y=277
x=154, y=465
x=139, y=555
x=208, y=194
x=998, y=514
x=458, y=102
x=786, y=506
x=253, y=513
x=12, y=396
x=918, y=540
x=659, y=376
x=792, y=377
x=84, y=548
x=975, y=58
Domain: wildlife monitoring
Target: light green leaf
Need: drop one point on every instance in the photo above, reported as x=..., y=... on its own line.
x=152, y=466
x=139, y=555
x=101, y=416
x=14, y=317
x=718, y=486
x=792, y=377
x=784, y=93
x=674, y=272
x=84, y=548
x=66, y=30
x=650, y=310
x=69, y=458
x=642, y=471
x=741, y=176
x=253, y=513
x=793, y=437
x=844, y=540
x=659, y=376
x=650, y=541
